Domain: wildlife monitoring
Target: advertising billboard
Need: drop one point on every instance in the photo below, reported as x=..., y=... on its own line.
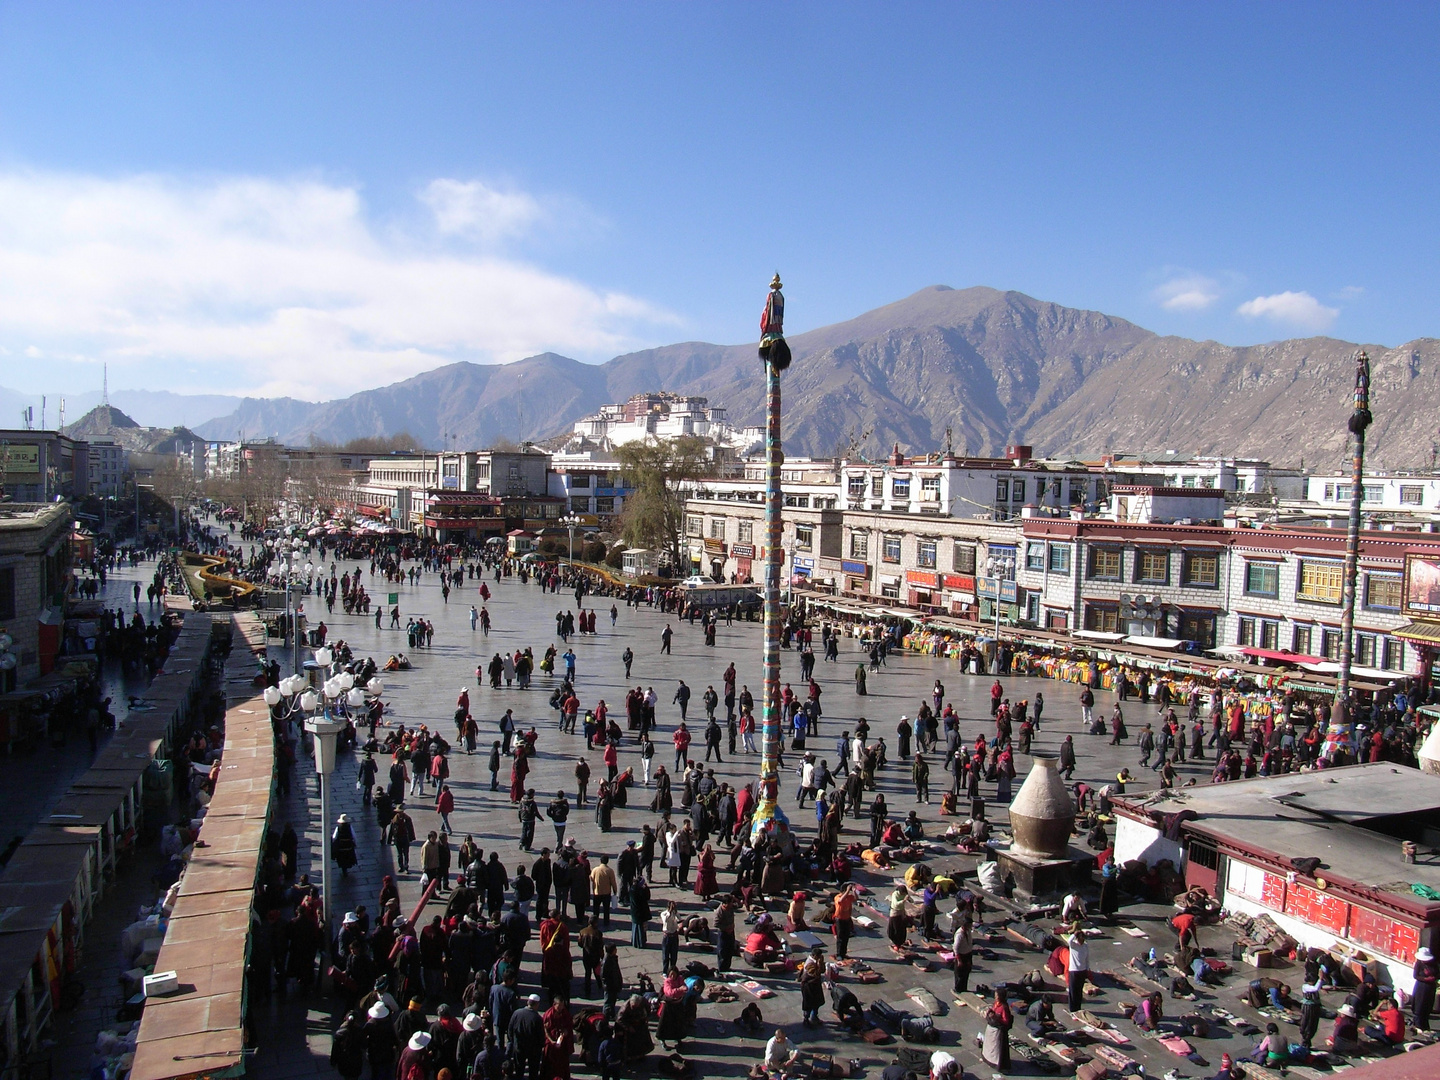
x=19, y=459
x=1421, y=598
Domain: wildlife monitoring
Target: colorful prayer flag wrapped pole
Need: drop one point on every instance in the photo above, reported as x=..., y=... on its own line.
x=1360, y=417
x=775, y=355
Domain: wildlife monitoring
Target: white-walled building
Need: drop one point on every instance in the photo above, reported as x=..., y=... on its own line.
x=1264, y=590
x=591, y=483
x=1242, y=476
x=949, y=486
x=446, y=488
x=1414, y=493
x=663, y=415
x=726, y=538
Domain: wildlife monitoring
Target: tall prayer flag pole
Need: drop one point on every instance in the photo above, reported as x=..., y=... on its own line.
x=775, y=355
x=1359, y=420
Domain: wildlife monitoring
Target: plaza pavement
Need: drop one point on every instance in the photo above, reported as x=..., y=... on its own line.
x=293, y=1035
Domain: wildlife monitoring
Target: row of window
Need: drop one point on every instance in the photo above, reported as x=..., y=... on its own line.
x=744, y=530
x=1323, y=582
x=604, y=504
x=1006, y=490
x=802, y=502
x=1151, y=566
x=1371, y=650
x=1410, y=494
x=1320, y=582
x=857, y=486
x=1197, y=626
x=927, y=552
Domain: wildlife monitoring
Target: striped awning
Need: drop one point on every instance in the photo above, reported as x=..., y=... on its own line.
x=1424, y=633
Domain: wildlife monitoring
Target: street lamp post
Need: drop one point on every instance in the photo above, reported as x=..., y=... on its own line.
x=324, y=731
x=570, y=521
x=1001, y=568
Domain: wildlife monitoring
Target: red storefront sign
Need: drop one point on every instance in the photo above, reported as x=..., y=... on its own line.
x=921, y=579
x=959, y=582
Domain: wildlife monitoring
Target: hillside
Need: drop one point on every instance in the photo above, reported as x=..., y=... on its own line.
x=992, y=367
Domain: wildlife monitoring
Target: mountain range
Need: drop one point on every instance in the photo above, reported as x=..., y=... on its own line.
x=987, y=367
x=149, y=408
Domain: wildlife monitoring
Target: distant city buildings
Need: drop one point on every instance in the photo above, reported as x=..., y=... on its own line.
x=1230, y=554
x=230, y=460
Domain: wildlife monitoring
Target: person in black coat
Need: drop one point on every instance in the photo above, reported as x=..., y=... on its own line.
x=342, y=844
x=380, y=1044
x=496, y=882
x=526, y=1039
x=560, y=873
x=542, y=874
x=640, y=912
x=347, y=1048
x=289, y=850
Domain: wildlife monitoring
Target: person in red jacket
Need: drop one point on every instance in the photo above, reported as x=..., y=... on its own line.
x=445, y=806
x=612, y=760
x=1391, y=1022
x=681, y=740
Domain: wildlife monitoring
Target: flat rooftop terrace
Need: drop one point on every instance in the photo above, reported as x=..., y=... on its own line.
x=1352, y=819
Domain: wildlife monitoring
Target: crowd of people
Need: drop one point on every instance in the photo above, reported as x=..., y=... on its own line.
x=445, y=995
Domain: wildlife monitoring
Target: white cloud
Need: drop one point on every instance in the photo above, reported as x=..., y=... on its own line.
x=471, y=208
x=1298, y=309
x=285, y=286
x=1189, y=293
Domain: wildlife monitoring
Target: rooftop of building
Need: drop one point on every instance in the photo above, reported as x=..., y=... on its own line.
x=18, y=516
x=1352, y=819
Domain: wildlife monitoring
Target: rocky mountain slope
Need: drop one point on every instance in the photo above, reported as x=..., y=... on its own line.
x=991, y=367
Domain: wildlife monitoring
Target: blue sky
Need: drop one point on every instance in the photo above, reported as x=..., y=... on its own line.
x=317, y=198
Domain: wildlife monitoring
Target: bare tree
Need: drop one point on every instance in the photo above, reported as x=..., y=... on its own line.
x=654, y=513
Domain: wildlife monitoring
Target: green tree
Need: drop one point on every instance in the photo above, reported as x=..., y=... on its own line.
x=654, y=513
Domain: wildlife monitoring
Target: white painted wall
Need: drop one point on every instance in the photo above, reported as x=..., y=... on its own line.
x=1146, y=843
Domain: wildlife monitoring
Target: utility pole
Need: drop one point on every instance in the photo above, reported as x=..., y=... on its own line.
x=1359, y=420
